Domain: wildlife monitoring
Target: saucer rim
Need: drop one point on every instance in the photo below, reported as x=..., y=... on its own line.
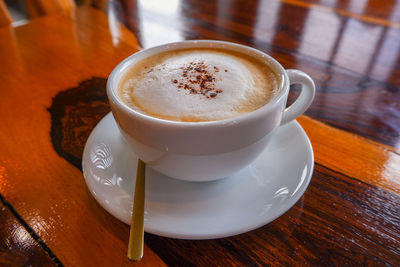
x=285, y=207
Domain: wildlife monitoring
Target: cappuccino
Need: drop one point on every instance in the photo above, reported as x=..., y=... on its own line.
x=198, y=84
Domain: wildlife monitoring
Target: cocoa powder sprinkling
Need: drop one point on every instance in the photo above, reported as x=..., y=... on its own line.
x=197, y=78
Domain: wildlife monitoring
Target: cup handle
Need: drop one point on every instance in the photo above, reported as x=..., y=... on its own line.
x=305, y=98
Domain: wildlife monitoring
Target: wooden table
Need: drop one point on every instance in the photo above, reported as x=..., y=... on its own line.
x=53, y=72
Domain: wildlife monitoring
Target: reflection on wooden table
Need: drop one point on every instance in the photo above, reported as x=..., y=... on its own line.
x=52, y=81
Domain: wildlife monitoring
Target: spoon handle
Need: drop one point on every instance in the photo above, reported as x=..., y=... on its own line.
x=136, y=235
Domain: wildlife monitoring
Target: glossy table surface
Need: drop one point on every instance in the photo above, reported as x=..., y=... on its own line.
x=52, y=94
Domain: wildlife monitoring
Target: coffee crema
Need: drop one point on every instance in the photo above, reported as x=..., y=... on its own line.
x=198, y=84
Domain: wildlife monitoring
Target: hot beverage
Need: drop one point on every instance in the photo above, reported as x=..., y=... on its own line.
x=198, y=84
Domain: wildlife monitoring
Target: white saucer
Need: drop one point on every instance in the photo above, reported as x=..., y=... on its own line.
x=251, y=198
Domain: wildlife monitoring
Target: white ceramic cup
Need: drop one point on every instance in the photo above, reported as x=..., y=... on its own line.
x=205, y=151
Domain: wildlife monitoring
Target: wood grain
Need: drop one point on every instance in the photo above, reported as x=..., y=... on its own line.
x=5, y=17
x=355, y=63
x=37, y=8
x=358, y=191
x=229, y=251
x=47, y=56
x=17, y=246
x=52, y=78
x=339, y=221
x=374, y=12
x=354, y=156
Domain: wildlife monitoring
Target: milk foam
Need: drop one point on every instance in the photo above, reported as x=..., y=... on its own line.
x=198, y=85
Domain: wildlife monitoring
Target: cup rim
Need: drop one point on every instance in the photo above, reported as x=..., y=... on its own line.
x=119, y=70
